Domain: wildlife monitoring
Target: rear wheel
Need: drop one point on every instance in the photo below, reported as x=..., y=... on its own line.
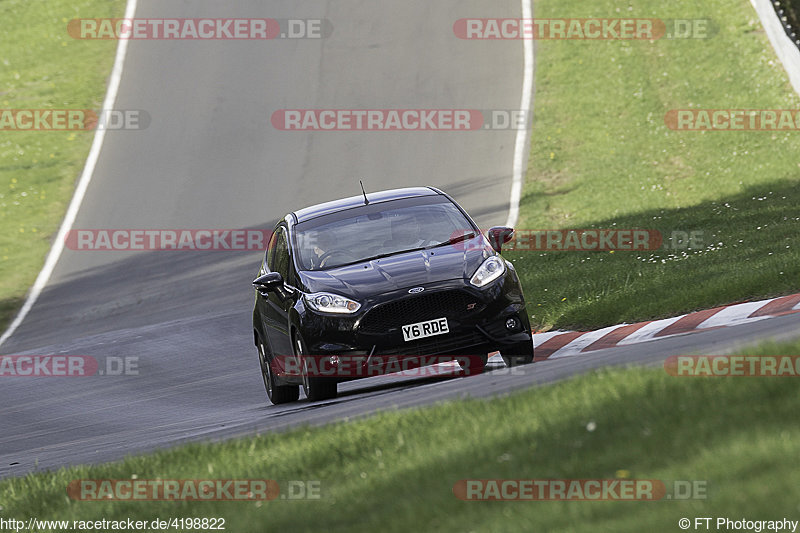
x=316, y=388
x=277, y=394
x=518, y=354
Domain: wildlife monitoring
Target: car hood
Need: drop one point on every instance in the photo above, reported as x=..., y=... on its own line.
x=406, y=270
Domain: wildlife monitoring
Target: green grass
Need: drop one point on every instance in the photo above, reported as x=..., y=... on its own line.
x=603, y=157
x=42, y=67
x=395, y=471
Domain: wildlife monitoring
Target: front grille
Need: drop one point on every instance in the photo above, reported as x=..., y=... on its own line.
x=445, y=344
x=453, y=304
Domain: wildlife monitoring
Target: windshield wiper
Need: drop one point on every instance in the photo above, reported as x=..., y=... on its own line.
x=454, y=240
x=381, y=256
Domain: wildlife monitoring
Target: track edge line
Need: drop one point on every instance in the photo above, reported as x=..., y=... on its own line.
x=80, y=190
x=521, y=143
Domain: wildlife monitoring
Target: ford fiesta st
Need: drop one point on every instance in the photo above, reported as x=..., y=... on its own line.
x=400, y=274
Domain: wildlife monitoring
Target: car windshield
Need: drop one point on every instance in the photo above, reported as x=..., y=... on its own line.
x=378, y=230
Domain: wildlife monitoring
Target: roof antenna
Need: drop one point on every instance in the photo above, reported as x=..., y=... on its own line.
x=366, y=201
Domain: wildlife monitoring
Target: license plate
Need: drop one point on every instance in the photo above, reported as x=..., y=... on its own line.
x=429, y=328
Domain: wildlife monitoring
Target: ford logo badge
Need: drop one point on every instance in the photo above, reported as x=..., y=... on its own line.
x=416, y=290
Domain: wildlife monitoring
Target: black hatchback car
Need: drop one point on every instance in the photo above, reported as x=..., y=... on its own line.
x=400, y=274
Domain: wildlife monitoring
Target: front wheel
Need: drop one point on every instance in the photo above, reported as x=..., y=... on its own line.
x=316, y=388
x=277, y=394
x=518, y=354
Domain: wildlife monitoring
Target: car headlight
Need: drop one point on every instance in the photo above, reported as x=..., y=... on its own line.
x=490, y=270
x=325, y=302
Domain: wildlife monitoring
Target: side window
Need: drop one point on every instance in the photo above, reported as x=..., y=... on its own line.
x=280, y=262
x=271, y=249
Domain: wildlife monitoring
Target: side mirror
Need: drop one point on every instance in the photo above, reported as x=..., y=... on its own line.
x=498, y=236
x=268, y=282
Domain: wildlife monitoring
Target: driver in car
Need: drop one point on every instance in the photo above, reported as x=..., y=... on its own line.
x=322, y=245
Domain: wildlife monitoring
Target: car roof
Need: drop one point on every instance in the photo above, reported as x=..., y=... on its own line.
x=334, y=206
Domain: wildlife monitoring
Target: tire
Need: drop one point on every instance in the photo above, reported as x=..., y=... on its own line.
x=518, y=354
x=277, y=394
x=316, y=388
x=473, y=365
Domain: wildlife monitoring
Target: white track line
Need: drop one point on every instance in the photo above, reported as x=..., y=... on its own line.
x=729, y=316
x=541, y=338
x=649, y=331
x=735, y=314
x=80, y=190
x=521, y=145
x=785, y=49
x=575, y=347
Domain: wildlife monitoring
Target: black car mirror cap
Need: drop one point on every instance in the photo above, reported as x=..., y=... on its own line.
x=268, y=282
x=498, y=236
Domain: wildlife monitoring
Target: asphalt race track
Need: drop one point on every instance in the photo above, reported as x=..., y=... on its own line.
x=211, y=159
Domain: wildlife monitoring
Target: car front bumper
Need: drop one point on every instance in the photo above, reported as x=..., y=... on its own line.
x=476, y=318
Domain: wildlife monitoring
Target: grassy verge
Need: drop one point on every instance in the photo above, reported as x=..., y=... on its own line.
x=603, y=157
x=395, y=471
x=43, y=68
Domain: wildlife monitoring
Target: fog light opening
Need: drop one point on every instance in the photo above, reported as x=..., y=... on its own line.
x=513, y=324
